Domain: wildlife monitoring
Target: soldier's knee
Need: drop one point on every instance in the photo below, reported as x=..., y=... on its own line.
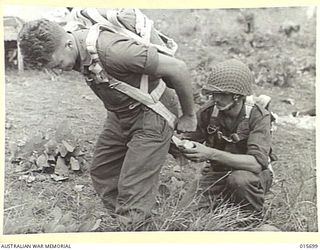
x=238, y=180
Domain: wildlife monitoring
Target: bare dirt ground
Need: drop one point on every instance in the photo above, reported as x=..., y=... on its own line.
x=39, y=109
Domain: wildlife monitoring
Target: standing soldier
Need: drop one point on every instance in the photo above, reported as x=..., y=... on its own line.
x=135, y=139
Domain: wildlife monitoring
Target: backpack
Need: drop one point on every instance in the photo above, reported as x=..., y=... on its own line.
x=141, y=32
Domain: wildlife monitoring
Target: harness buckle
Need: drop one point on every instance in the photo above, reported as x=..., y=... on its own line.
x=134, y=105
x=235, y=137
x=112, y=85
x=211, y=129
x=89, y=80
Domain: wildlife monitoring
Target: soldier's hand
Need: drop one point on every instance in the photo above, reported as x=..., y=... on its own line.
x=198, y=153
x=187, y=123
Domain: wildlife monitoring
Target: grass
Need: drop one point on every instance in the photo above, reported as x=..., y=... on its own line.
x=293, y=199
x=57, y=207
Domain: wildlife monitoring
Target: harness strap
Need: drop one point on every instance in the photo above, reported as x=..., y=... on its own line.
x=78, y=16
x=137, y=94
x=150, y=100
x=112, y=16
x=143, y=27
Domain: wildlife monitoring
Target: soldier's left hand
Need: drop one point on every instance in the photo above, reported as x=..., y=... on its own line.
x=187, y=123
x=198, y=153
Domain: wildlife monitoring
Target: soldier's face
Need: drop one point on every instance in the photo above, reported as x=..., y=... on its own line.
x=64, y=57
x=222, y=100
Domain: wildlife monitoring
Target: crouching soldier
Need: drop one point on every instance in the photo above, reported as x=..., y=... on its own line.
x=135, y=139
x=237, y=139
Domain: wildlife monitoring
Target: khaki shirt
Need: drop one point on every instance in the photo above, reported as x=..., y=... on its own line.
x=125, y=60
x=253, y=133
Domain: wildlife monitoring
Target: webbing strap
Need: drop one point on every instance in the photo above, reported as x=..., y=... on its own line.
x=91, y=40
x=144, y=83
x=78, y=16
x=143, y=27
x=262, y=100
x=112, y=16
x=95, y=15
x=150, y=100
x=137, y=94
x=249, y=105
x=162, y=110
x=140, y=22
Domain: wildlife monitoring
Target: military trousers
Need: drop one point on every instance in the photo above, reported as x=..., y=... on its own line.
x=240, y=186
x=127, y=160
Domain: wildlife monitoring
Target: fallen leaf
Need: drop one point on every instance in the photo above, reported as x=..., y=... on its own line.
x=78, y=152
x=41, y=177
x=42, y=161
x=176, y=183
x=75, y=166
x=8, y=125
x=96, y=225
x=164, y=190
x=72, y=227
x=288, y=101
x=58, y=229
x=35, y=168
x=66, y=218
x=23, y=177
x=189, y=195
x=33, y=159
x=22, y=143
x=62, y=150
x=58, y=178
x=51, y=159
x=89, y=98
x=78, y=188
x=69, y=147
x=267, y=228
x=23, y=167
x=57, y=214
x=61, y=168
x=28, y=178
x=177, y=169
x=50, y=147
x=89, y=225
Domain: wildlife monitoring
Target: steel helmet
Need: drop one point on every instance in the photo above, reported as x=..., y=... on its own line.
x=231, y=76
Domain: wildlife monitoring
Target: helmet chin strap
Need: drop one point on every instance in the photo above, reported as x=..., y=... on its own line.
x=227, y=107
x=231, y=104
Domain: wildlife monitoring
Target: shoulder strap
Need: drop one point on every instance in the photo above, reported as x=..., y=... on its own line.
x=249, y=103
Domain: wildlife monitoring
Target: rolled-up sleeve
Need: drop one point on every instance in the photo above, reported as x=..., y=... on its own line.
x=259, y=140
x=127, y=55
